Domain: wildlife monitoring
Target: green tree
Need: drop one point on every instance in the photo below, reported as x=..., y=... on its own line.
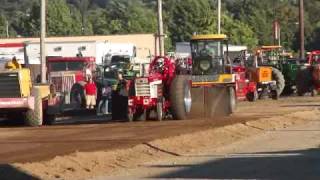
x=187, y=17
x=2, y=26
x=130, y=17
x=61, y=21
x=238, y=32
x=99, y=21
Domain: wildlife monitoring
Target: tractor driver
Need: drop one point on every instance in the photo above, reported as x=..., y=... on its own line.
x=207, y=50
x=316, y=59
x=13, y=64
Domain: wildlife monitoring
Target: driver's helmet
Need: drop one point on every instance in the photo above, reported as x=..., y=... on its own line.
x=160, y=62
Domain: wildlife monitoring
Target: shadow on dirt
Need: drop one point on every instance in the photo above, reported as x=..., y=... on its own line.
x=8, y=172
x=302, y=105
x=270, y=165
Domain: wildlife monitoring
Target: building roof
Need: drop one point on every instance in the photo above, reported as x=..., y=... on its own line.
x=110, y=38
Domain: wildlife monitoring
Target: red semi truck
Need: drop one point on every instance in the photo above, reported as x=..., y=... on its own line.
x=67, y=77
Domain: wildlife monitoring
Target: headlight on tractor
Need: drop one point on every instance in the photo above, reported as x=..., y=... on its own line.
x=205, y=65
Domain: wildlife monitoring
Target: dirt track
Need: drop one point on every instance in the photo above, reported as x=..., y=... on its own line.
x=34, y=144
x=44, y=143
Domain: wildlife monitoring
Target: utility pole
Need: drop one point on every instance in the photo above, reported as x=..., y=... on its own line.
x=42, y=42
x=7, y=28
x=301, y=23
x=219, y=16
x=160, y=29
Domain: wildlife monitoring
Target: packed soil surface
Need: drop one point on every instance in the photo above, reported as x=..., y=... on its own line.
x=73, y=150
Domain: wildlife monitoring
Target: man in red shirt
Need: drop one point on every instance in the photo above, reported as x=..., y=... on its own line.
x=91, y=93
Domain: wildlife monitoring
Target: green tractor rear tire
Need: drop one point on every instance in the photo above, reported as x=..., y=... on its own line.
x=279, y=78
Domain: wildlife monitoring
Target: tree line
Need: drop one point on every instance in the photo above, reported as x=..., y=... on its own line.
x=247, y=22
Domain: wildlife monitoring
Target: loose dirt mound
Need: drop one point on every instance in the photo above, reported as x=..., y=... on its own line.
x=85, y=165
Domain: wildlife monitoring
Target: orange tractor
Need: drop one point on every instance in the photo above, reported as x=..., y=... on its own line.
x=262, y=69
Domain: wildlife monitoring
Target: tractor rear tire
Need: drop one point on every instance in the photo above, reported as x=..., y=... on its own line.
x=252, y=96
x=303, y=81
x=34, y=117
x=232, y=100
x=279, y=78
x=160, y=109
x=180, y=97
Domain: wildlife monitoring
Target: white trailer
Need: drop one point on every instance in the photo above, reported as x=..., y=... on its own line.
x=99, y=50
x=9, y=50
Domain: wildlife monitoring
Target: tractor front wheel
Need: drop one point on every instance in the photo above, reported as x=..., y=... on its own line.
x=252, y=96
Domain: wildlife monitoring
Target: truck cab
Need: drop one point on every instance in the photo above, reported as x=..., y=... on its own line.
x=67, y=77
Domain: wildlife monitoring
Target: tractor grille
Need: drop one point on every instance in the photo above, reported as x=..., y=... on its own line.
x=9, y=85
x=142, y=87
x=63, y=83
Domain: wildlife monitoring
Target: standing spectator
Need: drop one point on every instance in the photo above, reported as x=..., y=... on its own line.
x=91, y=93
x=104, y=105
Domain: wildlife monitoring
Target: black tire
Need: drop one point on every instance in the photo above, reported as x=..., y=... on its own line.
x=252, y=96
x=34, y=117
x=180, y=88
x=303, y=81
x=279, y=78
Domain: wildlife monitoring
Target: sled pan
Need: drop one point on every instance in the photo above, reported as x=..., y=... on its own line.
x=210, y=102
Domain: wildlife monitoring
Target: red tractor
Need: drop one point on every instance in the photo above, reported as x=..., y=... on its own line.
x=151, y=93
x=245, y=89
x=67, y=77
x=308, y=77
